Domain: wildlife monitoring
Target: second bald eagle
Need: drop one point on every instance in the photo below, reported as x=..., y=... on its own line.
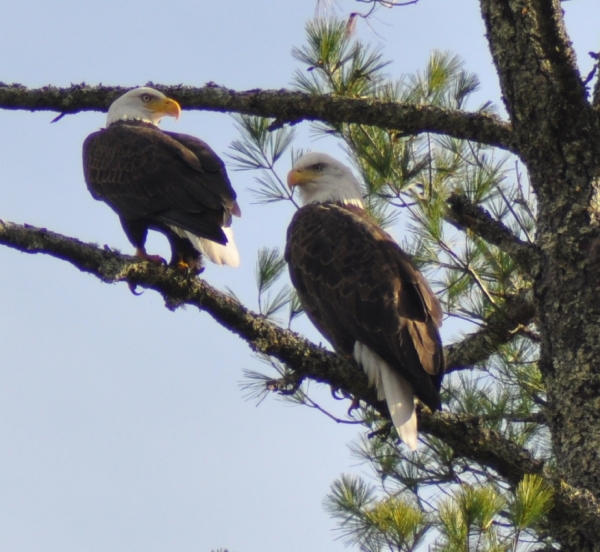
x=164, y=181
x=362, y=292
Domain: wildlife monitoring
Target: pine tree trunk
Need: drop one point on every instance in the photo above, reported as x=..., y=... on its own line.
x=557, y=137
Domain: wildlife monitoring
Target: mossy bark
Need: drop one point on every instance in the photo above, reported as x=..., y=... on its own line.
x=557, y=135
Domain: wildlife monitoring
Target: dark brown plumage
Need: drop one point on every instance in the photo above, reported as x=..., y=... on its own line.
x=356, y=284
x=362, y=292
x=173, y=183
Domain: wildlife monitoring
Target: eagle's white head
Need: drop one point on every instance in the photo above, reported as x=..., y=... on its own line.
x=142, y=104
x=322, y=179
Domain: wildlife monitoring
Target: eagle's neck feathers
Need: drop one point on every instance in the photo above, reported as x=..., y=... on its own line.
x=118, y=116
x=354, y=203
x=134, y=122
x=325, y=196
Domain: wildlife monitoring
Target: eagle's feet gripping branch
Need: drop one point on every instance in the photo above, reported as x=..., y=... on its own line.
x=140, y=253
x=189, y=267
x=186, y=265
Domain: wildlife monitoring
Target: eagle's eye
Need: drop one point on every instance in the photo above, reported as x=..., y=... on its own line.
x=146, y=97
x=318, y=167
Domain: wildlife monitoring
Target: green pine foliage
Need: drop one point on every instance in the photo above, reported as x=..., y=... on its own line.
x=259, y=149
x=269, y=267
x=427, y=499
x=395, y=522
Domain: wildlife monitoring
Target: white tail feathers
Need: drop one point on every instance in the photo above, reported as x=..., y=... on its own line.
x=219, y=254
x=392, y=387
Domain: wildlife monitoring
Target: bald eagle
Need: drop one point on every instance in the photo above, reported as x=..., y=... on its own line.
x=362, y=292
x=165, y=181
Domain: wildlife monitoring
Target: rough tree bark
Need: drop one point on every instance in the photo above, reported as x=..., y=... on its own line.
x=553, y=128
x=556, y=133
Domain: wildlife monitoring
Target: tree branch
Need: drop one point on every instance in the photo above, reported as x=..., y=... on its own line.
x=576, y=512
x=299, y=354
x=283, y=105
x=501, y=326
x=261, y=335
x=467, y=435
x=469, y=438
x=464, y=214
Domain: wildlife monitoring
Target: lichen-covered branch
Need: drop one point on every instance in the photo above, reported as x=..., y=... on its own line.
x=464, y=214
x=306, y=359
x=502, y=326
x=467, y=435
x=530, y=34
x=261, y=335
x=575, y=508
x=283, y=105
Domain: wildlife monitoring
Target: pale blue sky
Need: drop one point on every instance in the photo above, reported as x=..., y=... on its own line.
x=122, y=425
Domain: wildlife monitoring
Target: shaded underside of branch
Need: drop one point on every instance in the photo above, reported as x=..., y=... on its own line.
x=468, y=434
x=500, y=328
x=283, y=105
